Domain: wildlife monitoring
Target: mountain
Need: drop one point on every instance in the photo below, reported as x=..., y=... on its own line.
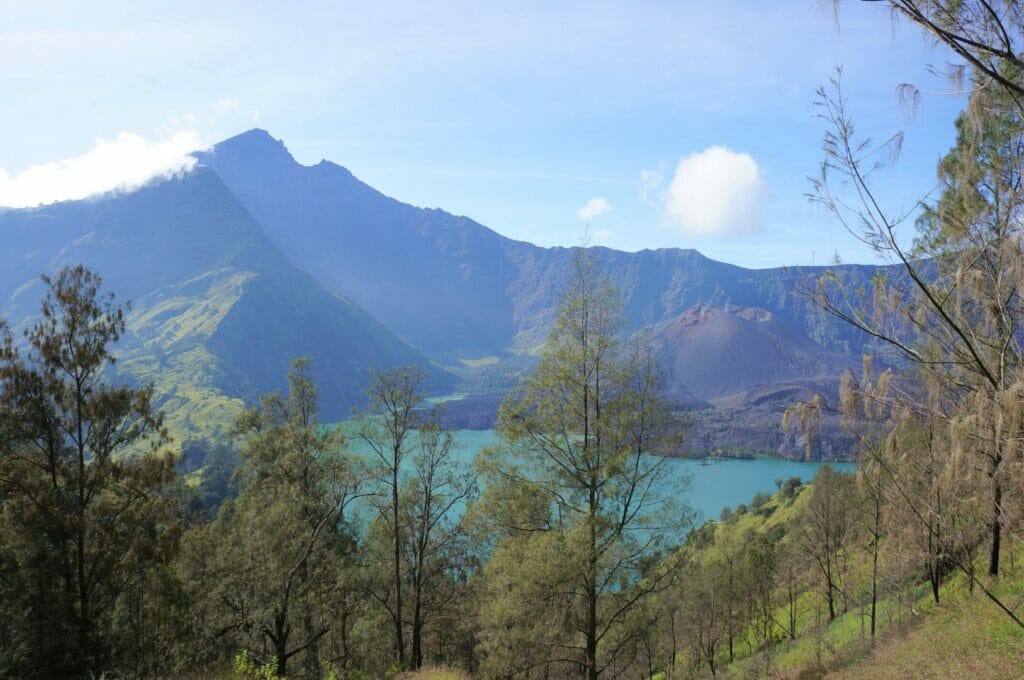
x=252, y=259
x=717, y=352
x=749, y=367
x=456, y=289
x=483, y=304
x=436, y=279
x=217, y=311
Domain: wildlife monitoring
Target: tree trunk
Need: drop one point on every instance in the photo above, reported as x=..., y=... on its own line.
x=830, y=590
x=417, y=632
x=934, y=575
x=874, y=585
x=312, y=652
x=874, y=560
x=728, y=613
x=675, y=645
x=84, y=613
x=592, y=587
x=345, y=655
x=399, y=636
x=792, y=612
x=997, y=523
x=280, y=641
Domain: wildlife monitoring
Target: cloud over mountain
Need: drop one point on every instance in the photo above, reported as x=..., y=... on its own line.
x=127, y=162
x=716, y=192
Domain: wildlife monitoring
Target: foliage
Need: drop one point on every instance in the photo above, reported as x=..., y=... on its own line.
x=245, y=667
x=264, y=575
x=942, y=432
x=82, y=529
x=581, y=479
x=417, y=488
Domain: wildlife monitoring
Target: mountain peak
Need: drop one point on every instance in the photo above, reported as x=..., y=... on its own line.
x=255, y=145
x=254, y=135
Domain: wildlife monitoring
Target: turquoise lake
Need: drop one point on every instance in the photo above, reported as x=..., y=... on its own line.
x=713, y=484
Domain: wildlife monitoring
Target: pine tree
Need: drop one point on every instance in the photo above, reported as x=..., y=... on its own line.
x=82, y=521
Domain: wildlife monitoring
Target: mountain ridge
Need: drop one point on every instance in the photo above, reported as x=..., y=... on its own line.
x=437, y=252
x=251, y=259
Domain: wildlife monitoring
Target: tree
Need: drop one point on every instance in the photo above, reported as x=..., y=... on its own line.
x=792, y=561
x=985, y=34
x=950, y=310
x=436, y=547
x=526, y=607
x=82, y=521
x=728, y=551
x=265, y=571
x=586, y=434
x=871, y=481
x=761, y=565
x=706, y=614
x=823, y=529
x=418, y=489
x=387, y=430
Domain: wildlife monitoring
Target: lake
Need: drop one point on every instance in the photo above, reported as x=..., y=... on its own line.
x=714, y=484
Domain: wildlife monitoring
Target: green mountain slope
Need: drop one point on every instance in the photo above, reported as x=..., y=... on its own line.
x=218, y=312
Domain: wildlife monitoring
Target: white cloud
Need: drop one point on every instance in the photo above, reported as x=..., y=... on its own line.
x=126, y=163
x=651, y=182
x=225, y=105
x=602, y=235
x=716, y=192
x=593, y=208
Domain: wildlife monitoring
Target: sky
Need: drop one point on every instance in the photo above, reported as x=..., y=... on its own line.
x=632, y=124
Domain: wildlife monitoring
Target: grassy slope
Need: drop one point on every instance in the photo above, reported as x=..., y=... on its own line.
x=965, y=636
x=169, y=332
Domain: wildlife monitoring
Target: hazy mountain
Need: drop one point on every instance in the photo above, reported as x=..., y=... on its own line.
x=436, y=279
x=737, y=338
x=253, y=259
x=719, y=352
x=218, y=312
x=455, y=288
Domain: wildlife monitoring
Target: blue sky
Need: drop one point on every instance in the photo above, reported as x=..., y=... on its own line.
x=673, y=124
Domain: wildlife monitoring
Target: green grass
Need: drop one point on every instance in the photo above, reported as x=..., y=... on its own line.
x=176, y=323
x=965, y=636
x=192, y=406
